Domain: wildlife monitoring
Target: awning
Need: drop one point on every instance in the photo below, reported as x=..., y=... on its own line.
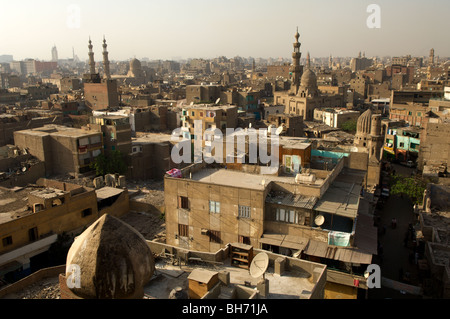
x=287, y=199
x=341, y=199
x=287, y=241
x=351, y=255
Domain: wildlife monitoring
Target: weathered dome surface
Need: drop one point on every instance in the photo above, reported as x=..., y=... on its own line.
x=114, y=260
x=364, y=122
x=309, y=79
x=135, y=64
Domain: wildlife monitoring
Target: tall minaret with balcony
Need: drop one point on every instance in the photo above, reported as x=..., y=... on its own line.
x=107, y=74
x=296, y=69
x=91, y=58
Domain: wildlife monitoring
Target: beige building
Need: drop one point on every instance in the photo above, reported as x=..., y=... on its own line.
x=64, y=150
x=116, y=132
x=434, y=152
x=299, y=215
x=32, y=217
x=211, y=117
x=335, y=117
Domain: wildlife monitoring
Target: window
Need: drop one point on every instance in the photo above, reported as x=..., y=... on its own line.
x=33, y=234
x=214, y=236
x=244, y=240
x=183, y=202
x=402, y=144
x=244, y=211
x=7, y=241
x=289, y=216
x=192, y=113
x=183, y=230
x=214, y=207
x=86, y=212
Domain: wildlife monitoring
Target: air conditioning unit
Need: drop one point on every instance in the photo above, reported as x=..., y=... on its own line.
x=204, y=231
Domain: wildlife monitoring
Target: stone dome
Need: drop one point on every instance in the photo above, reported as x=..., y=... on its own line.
x=364, y=122
x=135, y=64
x=309, y=79
x=114, y=260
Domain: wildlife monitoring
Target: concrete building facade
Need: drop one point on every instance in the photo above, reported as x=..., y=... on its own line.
x=62, y=149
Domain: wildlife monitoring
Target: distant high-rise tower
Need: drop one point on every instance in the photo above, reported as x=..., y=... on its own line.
x=308, y=61
x=431, y=58
x=296, y=69
x=91, y=58
x=107, y=75
x=54, y=54
x=330, y=62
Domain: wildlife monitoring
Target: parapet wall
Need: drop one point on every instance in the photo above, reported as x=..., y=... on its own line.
x=32, y=279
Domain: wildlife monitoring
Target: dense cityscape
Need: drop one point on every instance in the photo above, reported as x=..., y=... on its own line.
x=116, y=181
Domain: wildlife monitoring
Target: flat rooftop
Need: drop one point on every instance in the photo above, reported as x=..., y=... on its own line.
x=14, y=203
x=290, y=285
x=59, y=130
x=294, y=142
x=227, y=177
x=152, y=138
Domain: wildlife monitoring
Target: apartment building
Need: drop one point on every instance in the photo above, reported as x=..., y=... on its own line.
x=64, y=150
x=116, y=132
x=211, y=117
x=315, y=215
x=32, y=217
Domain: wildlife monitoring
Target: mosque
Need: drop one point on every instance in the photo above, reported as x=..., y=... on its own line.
x=304, y=95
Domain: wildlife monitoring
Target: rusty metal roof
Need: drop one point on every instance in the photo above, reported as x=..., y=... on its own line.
x=300, y=201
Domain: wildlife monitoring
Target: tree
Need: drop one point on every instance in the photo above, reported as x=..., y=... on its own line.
x=349, y=126
x=413, y=187
x=109, y=164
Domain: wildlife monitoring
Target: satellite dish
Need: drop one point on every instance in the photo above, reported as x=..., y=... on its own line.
x=279, y=130
x=217, y=101
x=319, y=220
x=192, y=103
x=259, y=265
x=249, y=125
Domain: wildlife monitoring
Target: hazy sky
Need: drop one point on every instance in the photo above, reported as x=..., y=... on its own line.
x=166, y=29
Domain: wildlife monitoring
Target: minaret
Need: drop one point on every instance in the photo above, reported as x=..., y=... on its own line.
x=308, y=61
x=107, y=75
x=295, y=68
x=431, y=57
x=91, y=58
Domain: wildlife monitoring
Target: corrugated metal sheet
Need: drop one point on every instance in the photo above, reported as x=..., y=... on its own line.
x=292, y=200
x=351, y=255
x=281, y=240
x=341, y=199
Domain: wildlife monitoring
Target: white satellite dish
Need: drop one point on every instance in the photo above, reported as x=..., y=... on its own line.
x=217, y=101
x=319, y=220
x=192, y=103
x=259, y=265
x=249, y=125
x=279, y=130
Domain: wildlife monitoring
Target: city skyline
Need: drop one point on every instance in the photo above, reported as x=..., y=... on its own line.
x=201, y=29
